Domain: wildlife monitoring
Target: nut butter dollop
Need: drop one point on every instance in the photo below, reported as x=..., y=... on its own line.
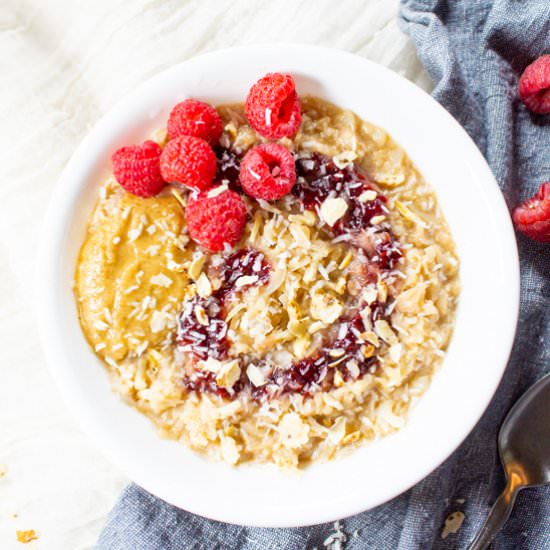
x=129, y=280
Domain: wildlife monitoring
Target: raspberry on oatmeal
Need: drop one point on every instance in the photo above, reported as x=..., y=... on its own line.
x=189, y=161
x=273, y=107
x=196, y=119
x=137, y=169
x=267, y=172
x=216, y=218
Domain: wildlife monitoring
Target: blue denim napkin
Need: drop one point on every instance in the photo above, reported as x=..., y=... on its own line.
x=474, y=51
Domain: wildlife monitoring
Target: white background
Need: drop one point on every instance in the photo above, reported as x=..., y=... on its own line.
x=64, y=63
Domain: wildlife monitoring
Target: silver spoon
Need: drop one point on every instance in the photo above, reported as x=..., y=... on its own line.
x=524, y=448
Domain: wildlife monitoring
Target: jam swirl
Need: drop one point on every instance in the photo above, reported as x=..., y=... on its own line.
x=342, y=356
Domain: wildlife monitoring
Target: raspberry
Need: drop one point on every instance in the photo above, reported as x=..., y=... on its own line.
x=534, y=85
x=197, y=119
x=216, y=218
x=267, y=172
x=189, y=161
x=272, y=106
x=137, y=170
x=532, y=217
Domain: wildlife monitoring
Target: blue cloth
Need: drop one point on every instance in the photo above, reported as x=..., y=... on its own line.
x=474, y=51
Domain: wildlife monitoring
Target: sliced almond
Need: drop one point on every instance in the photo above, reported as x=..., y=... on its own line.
x=409, y=214
x=246, y=280
x=211, y=365
x=314, y=327
x=228, y=374
x=300, y=346
x=367, y=350
x=345, y=158
x=369, y=294
x=370, y=336
x=293, y=431
x=346, y=261
x=351, y=438
x=325, y=307
x=412, y=299
x=307, y=217
x=201, y=316
x=353, y=368
x=255, y=375
x=376, y=220
x=385, y=332
x=368, y=195
x=382, y=288
x=195, y=267
x=300, y=233
x=332, y=209
x=204, y=287
x=395, y=352
x=336, y=362
x=177, y=195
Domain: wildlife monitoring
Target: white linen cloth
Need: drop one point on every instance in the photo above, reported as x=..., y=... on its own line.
x=63, y=64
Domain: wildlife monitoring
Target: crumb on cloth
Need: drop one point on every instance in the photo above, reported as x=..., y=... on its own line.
x=27, y=536
x=452, y=524
x=336, y=540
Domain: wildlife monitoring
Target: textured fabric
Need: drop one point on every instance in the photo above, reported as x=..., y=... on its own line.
x=474, y=52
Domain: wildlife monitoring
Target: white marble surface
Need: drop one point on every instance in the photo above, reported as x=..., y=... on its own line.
x=63, y=64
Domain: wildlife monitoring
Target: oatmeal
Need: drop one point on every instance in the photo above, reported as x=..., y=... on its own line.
x=314, y=332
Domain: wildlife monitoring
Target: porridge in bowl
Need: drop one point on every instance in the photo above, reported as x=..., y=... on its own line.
x=268, y=282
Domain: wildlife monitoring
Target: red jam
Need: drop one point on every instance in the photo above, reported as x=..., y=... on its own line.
x=318, y=177
x=318, y=371
x=203, y=341
x=211, y=340
x=204, y=381
x=244, y=262
x=229, y=163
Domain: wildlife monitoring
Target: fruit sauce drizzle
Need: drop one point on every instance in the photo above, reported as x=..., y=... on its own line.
x=344, y=355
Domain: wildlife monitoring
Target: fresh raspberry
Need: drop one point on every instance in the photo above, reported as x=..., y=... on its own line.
x=532, y=217
x=272, y=106
x=267, y=172
x=197, y=119
x=137, y=169
x=189, y=161
x=216, y=218
x=534, y=85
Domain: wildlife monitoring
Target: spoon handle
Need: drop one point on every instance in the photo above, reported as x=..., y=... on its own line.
x=497, y=517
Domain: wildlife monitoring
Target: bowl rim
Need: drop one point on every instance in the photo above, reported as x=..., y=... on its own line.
x=54, y=233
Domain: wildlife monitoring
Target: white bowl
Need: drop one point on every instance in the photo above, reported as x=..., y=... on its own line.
x=461, y=390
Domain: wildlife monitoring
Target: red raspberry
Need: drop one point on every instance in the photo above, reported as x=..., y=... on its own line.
x=216, y=218
x=272, y=106
x=197, y=119
x=189, y=161
x=532, y=217
x=137, y=169
x=267, y=172
x=534, y=85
